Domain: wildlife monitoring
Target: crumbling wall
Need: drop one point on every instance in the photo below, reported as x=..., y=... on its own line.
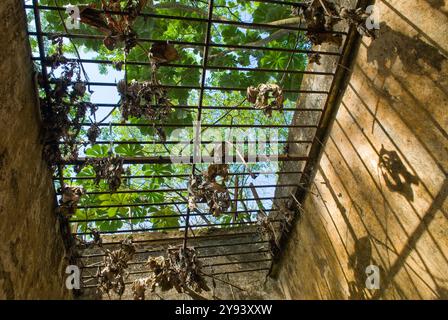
x=379, y=195
x=31, y=249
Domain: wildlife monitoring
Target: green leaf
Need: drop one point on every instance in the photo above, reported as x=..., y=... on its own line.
x=165, y=221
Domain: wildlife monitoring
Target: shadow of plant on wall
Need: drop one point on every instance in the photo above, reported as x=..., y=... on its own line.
x=437, y=4
x=410, y=51
x=396, y=176
x=358, y=262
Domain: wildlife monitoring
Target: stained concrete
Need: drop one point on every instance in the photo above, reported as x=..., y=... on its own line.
x=31, y=249
x=379, y=195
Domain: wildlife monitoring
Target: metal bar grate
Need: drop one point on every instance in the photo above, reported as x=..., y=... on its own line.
x=138, y=202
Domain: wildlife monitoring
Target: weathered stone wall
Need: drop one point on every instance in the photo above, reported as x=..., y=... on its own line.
x=380, y=193
x=31, y=249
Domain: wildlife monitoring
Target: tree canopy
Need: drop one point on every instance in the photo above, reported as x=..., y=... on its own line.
x=103, y=205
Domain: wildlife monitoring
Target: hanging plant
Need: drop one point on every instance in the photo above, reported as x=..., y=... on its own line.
x=266, y=97
x=111, y=276
x=69, y=199
x=116, y=27
x=109, y=169
x=181, y=270
x=204, y=187
x=358, y=18
x=64, y=108
x=148, y=99
x=93, y=133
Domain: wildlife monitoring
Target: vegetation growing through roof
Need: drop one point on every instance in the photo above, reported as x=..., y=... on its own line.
x=107, y=205
x=121, y=40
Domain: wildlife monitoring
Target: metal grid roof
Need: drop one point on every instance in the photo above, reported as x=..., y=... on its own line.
x=192, y=221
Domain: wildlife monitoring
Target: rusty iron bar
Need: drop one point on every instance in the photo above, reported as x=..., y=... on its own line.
x=190, y=160
x=195, y=66
x=206, y=125
x=115, y=142
x=180, y=189
x=210, y=275
x=163, y=216
x=186, y=43
x=114, y=105
x=210, y=237
x=257, y=173
x=162, y=250
x=172, y=228
x=209, y=88
x=221, y=264
x=130, y=205
x=186, y=175
x=208, y=20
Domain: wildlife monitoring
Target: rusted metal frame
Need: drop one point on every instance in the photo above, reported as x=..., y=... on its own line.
x=262, y=251
x=195, y=66
x=131, y=205
x=182, y=189
x=326, y=121
x=160, y=216
x=200, y=103
x=186, y=175
x=250, y=25
x=198, y=247
x=172, y=228
x=183, y=142
x=210, y=275
x=114, y=105
x=208, y=88
x=190, y=159
x=93, y=276
x=207, y=125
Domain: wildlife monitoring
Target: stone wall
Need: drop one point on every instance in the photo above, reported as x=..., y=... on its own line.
x=379, y=196
x=31, y=248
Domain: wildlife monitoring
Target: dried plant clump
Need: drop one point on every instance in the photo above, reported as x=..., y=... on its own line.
x=117, y=28
x=70, y=199
x=145, y=100
x=96, y=241
x=139, y=288
x=163, y=52
x=266, y=97
x=204, y=187
x=180, y=270
x=112, y=275
x=320, y=17
x=358, y=18
x=273, y=226
x=64, y=108
x=109, y=168
x=93, y=133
